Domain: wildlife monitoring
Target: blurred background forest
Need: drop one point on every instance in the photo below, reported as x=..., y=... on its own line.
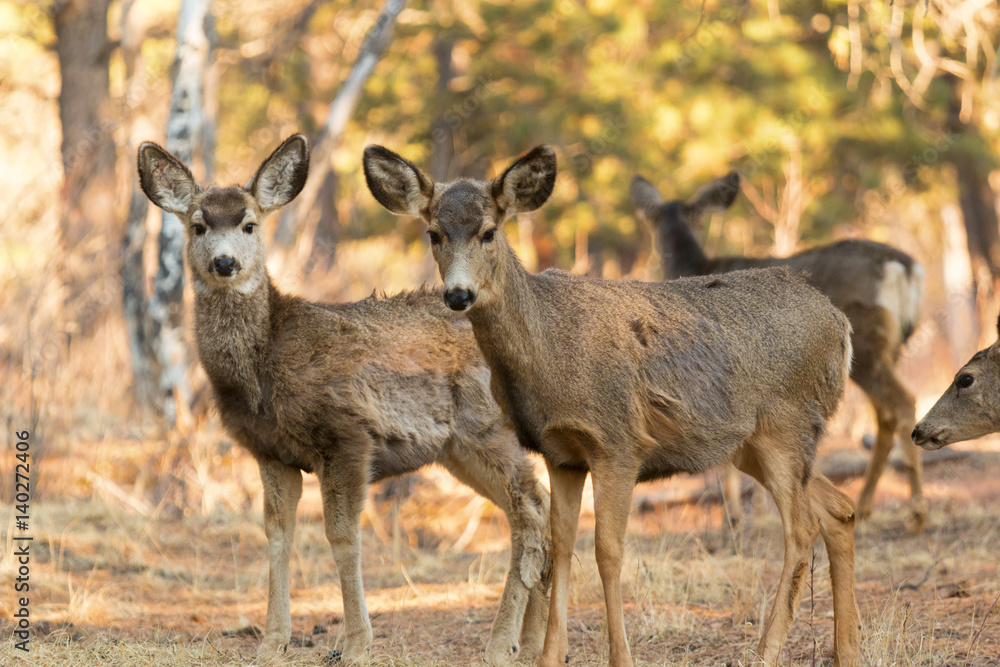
x=845, y=119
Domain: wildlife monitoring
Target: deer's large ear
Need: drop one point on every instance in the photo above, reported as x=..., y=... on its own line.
x=645, y=198
x=716, y=196
x=165, y=180
x=527, y=183
x=281, y=176
x=396, y=182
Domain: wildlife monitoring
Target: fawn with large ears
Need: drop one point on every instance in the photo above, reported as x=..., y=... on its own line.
x=631, y=381
x=462, y=216
x=970, y=407
x=354, y=393
x=224, y=249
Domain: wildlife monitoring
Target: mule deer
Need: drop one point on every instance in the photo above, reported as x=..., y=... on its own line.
x=634, y=381
x=879, y=288
x=354, y=392
x=970, y=407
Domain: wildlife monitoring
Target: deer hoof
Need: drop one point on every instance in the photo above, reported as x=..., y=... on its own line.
x=271, y=647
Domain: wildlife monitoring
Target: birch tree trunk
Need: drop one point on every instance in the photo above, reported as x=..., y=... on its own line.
x=184, y=127
x=304, y=214
x=135, y=300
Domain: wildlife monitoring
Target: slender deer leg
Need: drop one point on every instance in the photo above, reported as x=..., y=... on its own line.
x=913, y=459
x=800, y=527
x=533, y=628
x=732, y=494
x=510, y=484
x=894, y=410
x=567, y=489
x=836, y=524
x=612, y=501
x=282, y=490
x=880, y=455
x=342, y=487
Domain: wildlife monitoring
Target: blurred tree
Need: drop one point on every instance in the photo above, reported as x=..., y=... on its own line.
x=135, y=300
x=303, y=216
x=184, y=133
x=88, y=149
x=973, y=163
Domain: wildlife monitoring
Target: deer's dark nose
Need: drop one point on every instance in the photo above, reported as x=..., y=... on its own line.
x=224, y=266
x=459, y=299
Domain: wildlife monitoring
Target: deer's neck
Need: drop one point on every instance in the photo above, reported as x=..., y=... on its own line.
x=680, y=252
x=233, y=332
x=510, y=326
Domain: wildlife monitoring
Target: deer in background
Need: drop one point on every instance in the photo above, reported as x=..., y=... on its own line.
x=879, y=288
x=354, y=392
x=969, y=408
x=634, y=381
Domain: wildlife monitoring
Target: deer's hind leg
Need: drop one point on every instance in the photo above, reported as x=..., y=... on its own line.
x=282, y=490
x=894, y=412
x=778, y=465
x=732, y=495
x=497, y=468
x=836, y=523
x=343, y=482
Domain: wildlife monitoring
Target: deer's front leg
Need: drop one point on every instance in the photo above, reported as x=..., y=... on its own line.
x=567, y=489
x=282, y=490
x=613, y=486
x=342, y=486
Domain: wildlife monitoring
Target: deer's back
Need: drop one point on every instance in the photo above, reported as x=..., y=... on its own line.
x=688, y=367
x=860, y=277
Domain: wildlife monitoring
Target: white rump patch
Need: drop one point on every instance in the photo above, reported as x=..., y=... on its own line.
x=901, y=294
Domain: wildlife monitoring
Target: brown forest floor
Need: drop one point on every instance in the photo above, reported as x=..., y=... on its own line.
x=113, y=587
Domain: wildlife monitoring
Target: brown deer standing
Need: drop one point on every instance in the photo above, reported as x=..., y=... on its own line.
x=879, y=288
x=969, y=408
x=634, y=381
x=354, y=392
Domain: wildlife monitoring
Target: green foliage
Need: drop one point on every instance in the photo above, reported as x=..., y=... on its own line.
x=678, y=91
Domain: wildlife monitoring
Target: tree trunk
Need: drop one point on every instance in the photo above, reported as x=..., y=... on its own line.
x=957, y=319
x=969, y=153
x=88, y=147
x=374, y=45
x=135, y=301
x=443, y=152
x=327, y=224
x=184, y=126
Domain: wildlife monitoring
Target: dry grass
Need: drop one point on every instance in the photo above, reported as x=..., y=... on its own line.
x=111, y=586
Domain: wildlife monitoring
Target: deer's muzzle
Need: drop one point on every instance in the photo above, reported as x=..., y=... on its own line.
x=459, y=299
x=225, y=266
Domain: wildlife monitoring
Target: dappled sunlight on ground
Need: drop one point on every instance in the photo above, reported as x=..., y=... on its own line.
x=115, y=583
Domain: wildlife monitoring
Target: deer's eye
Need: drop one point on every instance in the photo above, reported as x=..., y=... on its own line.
x=248, y=228
x=435, y=238
x=198, y=229
x=964, y=381
x=488, y=236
